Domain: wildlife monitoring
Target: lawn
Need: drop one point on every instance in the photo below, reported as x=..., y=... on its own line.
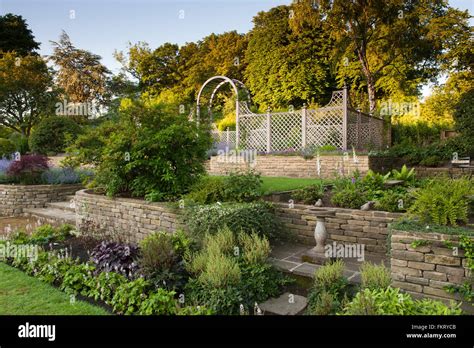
x=21, y=294
x=279, y=184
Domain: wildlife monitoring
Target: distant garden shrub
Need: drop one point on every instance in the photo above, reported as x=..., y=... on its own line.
x=349, y=196
x=242, y=187
x=28, y=169
x=208, y=189
x=309, y=194
x=20, y=141
x=7, y=148
x=53, y=134
x=237, y=187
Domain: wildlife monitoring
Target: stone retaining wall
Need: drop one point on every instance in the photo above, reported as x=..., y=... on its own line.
x=428, y=268
x=291, y=166
x=386, y=164
x=15, y=198
x=348, y=226
x=123, y=218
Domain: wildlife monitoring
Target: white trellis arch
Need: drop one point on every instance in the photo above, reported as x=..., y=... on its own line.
x=213, y=85
x=336, y=124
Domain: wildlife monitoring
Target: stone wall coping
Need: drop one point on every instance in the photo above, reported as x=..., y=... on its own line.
x=32, y=187
x=307, y=209
x=88, y=193
x=437, y=236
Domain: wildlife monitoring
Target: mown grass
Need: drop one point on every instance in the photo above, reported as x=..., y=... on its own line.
x=21, y=294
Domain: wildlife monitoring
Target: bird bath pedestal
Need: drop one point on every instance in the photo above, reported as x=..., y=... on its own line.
x=317, y=254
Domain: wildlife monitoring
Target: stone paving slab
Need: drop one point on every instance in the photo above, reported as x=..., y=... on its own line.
x=288, y=258
x=286, y=304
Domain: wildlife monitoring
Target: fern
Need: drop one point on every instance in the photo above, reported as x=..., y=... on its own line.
x=443, y=201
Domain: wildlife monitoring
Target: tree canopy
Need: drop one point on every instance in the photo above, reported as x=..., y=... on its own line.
x=81, y=76
x=16, y=36
x=26, y=91
x=386, y=45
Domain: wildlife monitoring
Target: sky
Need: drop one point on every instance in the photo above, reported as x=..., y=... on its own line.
x=103, y=26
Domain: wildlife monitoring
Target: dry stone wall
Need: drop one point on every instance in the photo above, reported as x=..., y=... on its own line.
x=123, y=218
x=348, y=226
x=426, y=263
x=15, y=198
x=291, y=166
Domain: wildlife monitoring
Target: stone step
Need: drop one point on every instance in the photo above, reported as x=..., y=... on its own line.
x=286, y=304
x=52, y=215
x=62, y=206
x=69, y=197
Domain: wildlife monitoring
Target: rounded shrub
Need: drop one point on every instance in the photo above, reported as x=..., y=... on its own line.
x=53, y=134
x=6, y=148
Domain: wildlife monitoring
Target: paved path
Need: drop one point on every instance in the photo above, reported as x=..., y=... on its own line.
x=288, y=258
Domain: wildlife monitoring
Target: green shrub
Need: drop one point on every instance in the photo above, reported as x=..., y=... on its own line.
x=352, y=196
x=390, y=301
x=242, y=187
x=45, y=234
x=53, y=134
x=255, y=250
x=309, y=194
x=104, y=286
x=405, y=174
x=229, y=272
x=152, y=153
x=160, y=302
x=237, y=187
x=374, y=276
x=20, y=142
x=443, y=201
x=208, y=189
x=329, y=290
x=215, y=265
x=128, y=297
x=161, y=259
x=464, y=117
x=248, y=217
x=374, y=181
x=390, y=201
x=195, y=310
x=7, y=148
x=77, y=278
x=223, y=301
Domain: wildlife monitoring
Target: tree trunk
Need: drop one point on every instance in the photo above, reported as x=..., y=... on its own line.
x=371, y=92
x=361, y=52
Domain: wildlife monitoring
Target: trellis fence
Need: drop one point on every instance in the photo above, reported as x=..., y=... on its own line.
x=336, y=124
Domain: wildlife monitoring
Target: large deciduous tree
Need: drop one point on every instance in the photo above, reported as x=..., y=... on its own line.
x=26, y=91
x=16, y=36
x=81, y=75
x=286, y=67
x=391, y=44
x=170, y=69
